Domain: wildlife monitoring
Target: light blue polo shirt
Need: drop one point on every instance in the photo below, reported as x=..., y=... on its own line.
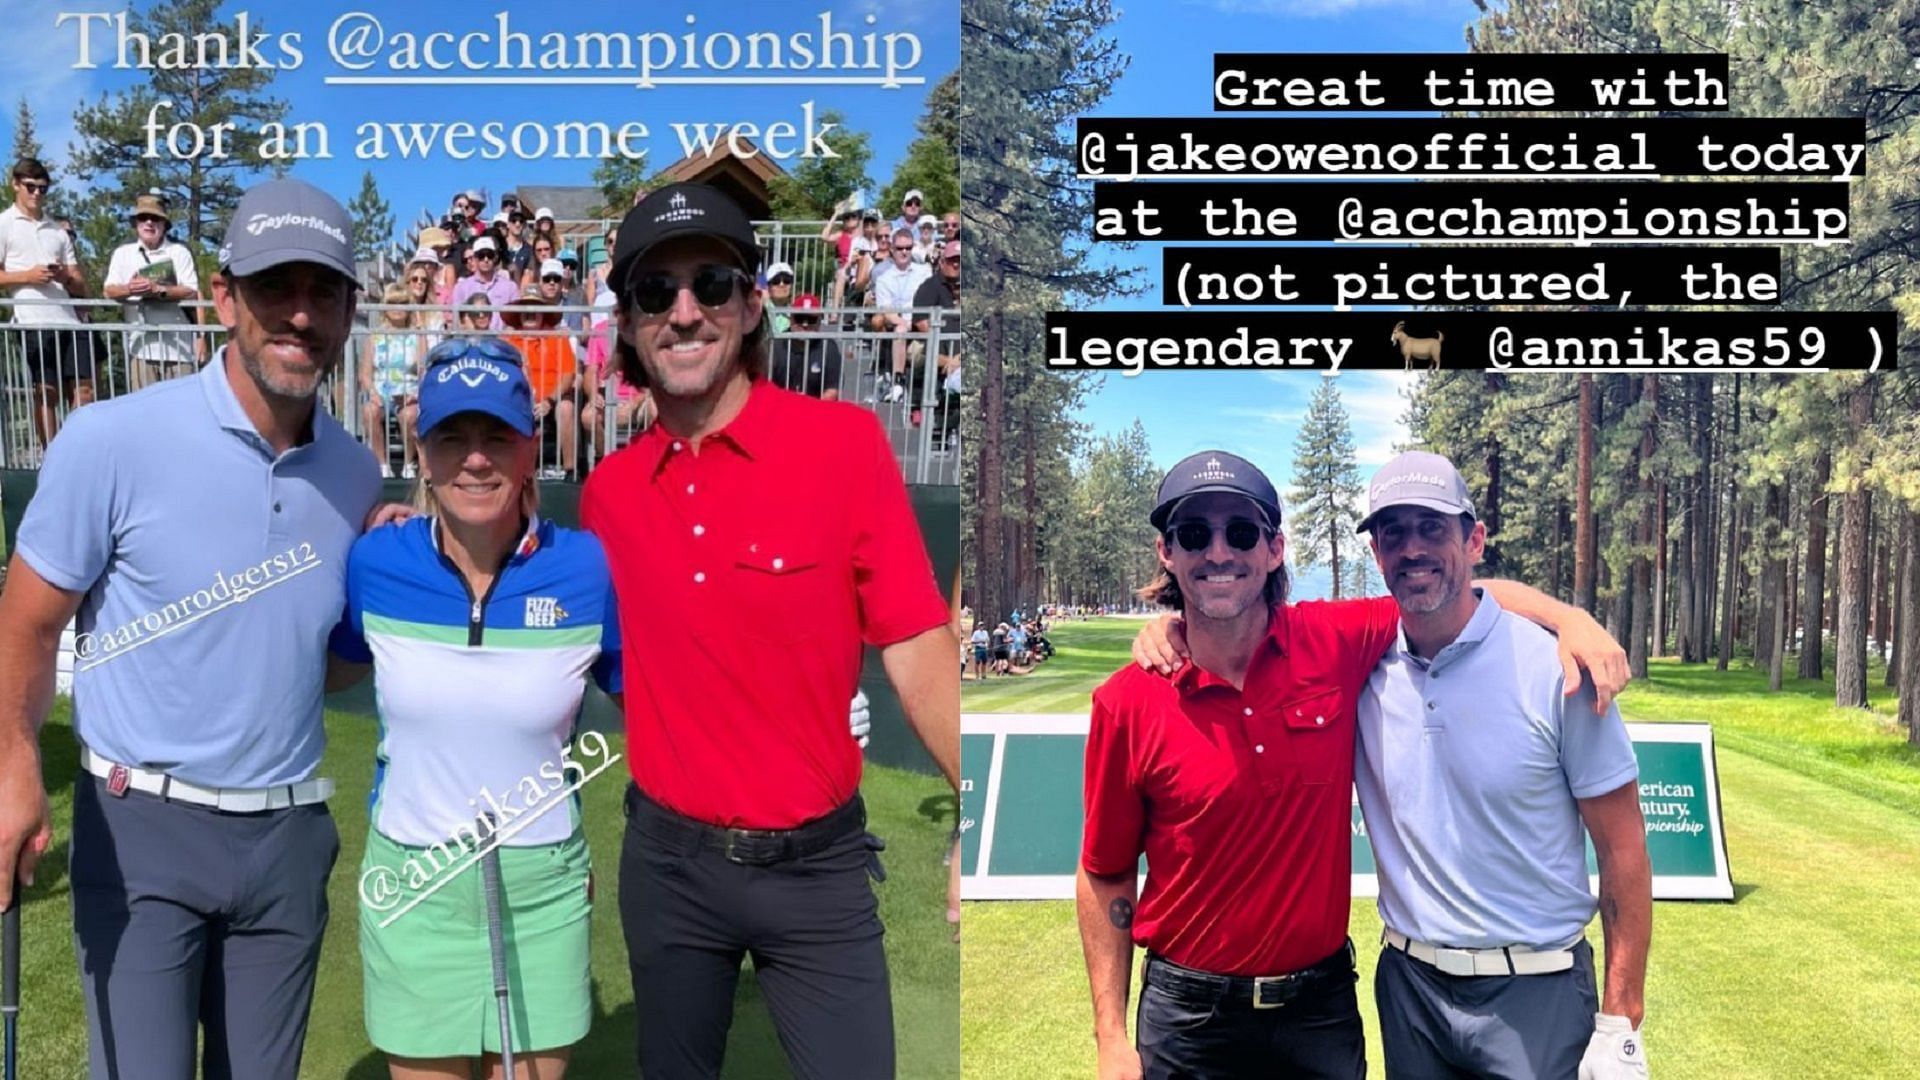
x=1467, y=771
x=213, y=573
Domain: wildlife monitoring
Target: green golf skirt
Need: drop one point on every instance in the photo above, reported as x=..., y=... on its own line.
x=429, y=971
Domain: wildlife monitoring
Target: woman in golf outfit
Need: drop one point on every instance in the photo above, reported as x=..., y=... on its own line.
x=481, y=622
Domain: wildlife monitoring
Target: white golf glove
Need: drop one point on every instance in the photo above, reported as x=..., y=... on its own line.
x=1615, y=1052
x=860, y=718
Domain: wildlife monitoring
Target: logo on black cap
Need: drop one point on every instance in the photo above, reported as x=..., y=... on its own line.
x=1213, y=471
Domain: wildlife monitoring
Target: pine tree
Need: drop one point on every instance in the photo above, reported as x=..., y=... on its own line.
x=1327, y=488
x=372, y=220
x=932, y=165
x=26, y=144
x=202, y=190
x=809, y=190
x=1027, y=217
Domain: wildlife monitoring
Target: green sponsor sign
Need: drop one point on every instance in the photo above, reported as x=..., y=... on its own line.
x=1021, y=810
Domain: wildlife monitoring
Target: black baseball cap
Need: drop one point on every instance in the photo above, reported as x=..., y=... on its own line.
x=681, y=210
x=1215, y=470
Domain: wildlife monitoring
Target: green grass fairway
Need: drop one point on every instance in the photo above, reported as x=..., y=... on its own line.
x=1809, y=973
x=912, y=812
x=1085, y=654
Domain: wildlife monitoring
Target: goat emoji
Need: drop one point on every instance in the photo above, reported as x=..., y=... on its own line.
x=1417, y=348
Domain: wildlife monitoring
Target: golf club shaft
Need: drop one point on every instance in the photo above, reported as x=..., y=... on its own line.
x=10, y=979
x=496, y=941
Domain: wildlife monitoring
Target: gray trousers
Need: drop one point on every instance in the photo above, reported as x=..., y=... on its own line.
x=1435, y=1026
x=185, y=918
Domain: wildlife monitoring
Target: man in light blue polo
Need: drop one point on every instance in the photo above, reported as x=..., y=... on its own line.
x=1476, y=774
x=199, y=529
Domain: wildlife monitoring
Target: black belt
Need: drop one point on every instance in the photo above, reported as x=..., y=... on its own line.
x=749, y=847
x=1262, y=992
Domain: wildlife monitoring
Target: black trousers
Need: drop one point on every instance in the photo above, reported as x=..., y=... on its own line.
x=1183, y=1035
x=811, y=925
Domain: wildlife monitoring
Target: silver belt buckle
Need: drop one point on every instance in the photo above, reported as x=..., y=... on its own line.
x=1454, y=961
x=1261, y=983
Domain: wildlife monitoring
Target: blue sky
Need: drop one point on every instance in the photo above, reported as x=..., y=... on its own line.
x=1254, y=414
x=39, y=59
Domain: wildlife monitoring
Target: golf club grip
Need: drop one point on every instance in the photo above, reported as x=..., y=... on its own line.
x=10, y=947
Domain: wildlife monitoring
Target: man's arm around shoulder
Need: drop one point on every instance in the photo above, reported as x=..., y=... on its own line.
x=1584, y=643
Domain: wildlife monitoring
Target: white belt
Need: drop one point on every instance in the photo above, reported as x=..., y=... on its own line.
x=226, y=800
x=1512, y=960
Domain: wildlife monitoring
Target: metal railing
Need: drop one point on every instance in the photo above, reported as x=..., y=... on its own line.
x=909, y=379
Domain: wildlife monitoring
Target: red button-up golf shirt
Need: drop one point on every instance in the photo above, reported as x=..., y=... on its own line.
x=1240, y=799
x=748, y=574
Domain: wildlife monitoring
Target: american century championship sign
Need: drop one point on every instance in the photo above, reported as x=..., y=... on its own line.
x=1020, y=809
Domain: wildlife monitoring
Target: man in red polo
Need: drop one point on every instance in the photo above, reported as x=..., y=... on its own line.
x=1234, y=779
x=757, y=538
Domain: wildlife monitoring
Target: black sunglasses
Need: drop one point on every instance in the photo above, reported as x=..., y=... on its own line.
x=780, y=279
x=653, y=292
x=555, y=278
x=487, y=255
x=1198, y=535
x=38, y=187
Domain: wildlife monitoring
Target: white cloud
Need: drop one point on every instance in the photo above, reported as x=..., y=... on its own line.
x=1374, y=408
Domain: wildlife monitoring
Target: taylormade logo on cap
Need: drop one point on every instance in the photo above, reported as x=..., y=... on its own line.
x=260, y=223
x=1444, y=483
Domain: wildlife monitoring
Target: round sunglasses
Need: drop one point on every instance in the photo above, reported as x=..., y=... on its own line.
x=653, y=292
x=1195, y=536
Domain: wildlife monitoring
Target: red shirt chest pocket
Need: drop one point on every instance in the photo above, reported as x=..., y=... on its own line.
x=1314, y=730
x=782, y=587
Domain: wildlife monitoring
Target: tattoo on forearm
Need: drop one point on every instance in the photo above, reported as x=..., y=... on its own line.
x=1120, y=913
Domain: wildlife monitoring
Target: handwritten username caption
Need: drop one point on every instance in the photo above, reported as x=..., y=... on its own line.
x=94, y=647
x=398, y=891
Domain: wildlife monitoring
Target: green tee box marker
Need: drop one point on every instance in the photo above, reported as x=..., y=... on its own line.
x=1021, y=809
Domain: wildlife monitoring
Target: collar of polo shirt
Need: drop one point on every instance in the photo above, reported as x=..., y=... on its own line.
x=1191, y=677
x=747, y=432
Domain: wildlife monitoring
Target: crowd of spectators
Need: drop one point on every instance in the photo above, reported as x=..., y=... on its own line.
x=1014, y=646
x=514, y=274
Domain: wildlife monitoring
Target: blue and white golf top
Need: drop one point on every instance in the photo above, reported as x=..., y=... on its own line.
x=478, y=696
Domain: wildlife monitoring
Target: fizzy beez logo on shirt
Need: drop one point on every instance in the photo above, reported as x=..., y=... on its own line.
x=544, y=612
